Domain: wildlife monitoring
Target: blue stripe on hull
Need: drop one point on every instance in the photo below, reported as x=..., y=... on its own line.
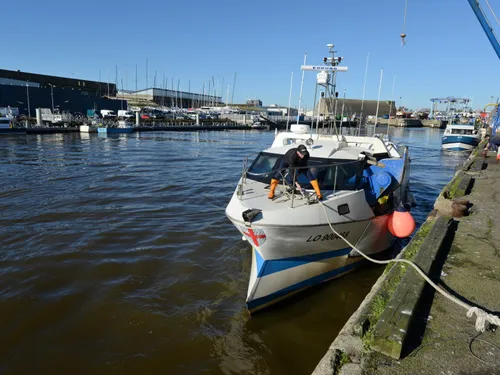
x=473, y=141
x=268, y=267
x=252, y=305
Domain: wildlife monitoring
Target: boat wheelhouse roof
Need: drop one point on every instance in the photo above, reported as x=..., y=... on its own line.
x=329, y=146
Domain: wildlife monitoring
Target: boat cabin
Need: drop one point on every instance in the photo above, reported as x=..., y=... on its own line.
x=460, y=130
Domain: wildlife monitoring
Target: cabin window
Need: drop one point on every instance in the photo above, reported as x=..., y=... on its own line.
x=463, y=131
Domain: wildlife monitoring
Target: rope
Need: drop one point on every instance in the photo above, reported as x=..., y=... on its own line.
x=481, y=316
x=403, y=35
x=491, y=9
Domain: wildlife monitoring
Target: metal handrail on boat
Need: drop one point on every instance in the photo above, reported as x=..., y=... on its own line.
x=283, y=172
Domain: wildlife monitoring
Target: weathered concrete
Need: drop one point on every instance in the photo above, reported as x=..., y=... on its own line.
x=434, y=123
x=442, y=339
x=389, y=335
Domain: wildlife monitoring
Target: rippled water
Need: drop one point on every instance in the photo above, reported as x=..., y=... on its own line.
x=116, y=257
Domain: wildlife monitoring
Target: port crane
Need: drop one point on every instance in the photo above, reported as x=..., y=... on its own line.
x=485, y=25
x=483, y=20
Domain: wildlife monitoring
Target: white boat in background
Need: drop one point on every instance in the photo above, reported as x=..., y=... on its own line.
x=259, y=126
x=363, y=180
x=460, y=137
x=88, y=128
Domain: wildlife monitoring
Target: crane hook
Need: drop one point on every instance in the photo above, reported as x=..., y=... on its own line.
x=403, y=34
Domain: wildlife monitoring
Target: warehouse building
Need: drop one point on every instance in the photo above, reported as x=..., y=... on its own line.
x=172, y=98
x=28, y=91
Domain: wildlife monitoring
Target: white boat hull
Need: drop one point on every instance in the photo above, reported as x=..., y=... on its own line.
x=88, y=129
x=286, y=260
x=269, y=289
x=458, y=146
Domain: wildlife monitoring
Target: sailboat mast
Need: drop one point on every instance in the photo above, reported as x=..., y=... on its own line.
x=289, y=102
x=378, y=99
x=390, y=105
x=363, y=99
x=301, y=88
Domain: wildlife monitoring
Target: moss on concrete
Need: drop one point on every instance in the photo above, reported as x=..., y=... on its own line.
x=397, y=271
x=452, y=188
x=490, y=227
x=477, y=151
x=340, y=358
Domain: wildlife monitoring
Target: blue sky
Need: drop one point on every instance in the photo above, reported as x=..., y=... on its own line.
x=446, y=54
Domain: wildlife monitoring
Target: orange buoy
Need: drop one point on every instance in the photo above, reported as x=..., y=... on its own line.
x=401, y=223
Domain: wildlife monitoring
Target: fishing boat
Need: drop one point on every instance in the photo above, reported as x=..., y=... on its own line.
x=297, y=240
x=460, y=137
x=122, y=127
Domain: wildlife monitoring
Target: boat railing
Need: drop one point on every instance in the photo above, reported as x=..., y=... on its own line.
x=337, y=173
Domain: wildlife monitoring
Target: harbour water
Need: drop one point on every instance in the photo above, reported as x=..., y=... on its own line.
x=116, y=257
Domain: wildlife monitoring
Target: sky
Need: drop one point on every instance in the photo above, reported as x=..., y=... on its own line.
x=194, y=42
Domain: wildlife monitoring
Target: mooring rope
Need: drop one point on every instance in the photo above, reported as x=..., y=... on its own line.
x=481, y=316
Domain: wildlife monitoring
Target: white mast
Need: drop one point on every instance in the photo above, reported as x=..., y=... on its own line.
x=289, y=102
x=390, y=104
x=301, y=87
x=378, y=99
x=363, y=99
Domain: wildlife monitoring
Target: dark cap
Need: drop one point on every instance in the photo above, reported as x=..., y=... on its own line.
x=303, y=150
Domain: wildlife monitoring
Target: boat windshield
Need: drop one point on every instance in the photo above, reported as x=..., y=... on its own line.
x=331, y=174
x=463, y=131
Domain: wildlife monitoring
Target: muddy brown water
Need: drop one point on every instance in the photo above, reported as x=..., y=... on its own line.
x=116, y=258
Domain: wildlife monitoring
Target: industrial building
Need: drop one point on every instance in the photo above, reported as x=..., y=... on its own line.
x=28, y=91
x=254, y=103
x=353, y=107
x=172, y=98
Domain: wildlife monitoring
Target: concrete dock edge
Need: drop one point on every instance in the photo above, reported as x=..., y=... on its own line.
x=376, y=325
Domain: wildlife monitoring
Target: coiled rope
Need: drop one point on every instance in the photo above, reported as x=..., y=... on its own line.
x=481, y=316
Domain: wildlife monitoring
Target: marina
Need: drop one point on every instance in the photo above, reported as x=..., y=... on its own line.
x=169, y=282
x=219, y=198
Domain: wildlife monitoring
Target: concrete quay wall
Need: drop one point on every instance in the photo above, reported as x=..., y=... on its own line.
x=403, y=326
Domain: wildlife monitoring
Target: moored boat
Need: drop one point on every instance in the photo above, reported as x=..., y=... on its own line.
x=88, y=129
x=363, y=181
x=7, y=126
x=460, y=137
x=259, y=126
x=122, y=127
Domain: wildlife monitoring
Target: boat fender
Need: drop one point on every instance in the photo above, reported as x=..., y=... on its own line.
x=401, y=223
